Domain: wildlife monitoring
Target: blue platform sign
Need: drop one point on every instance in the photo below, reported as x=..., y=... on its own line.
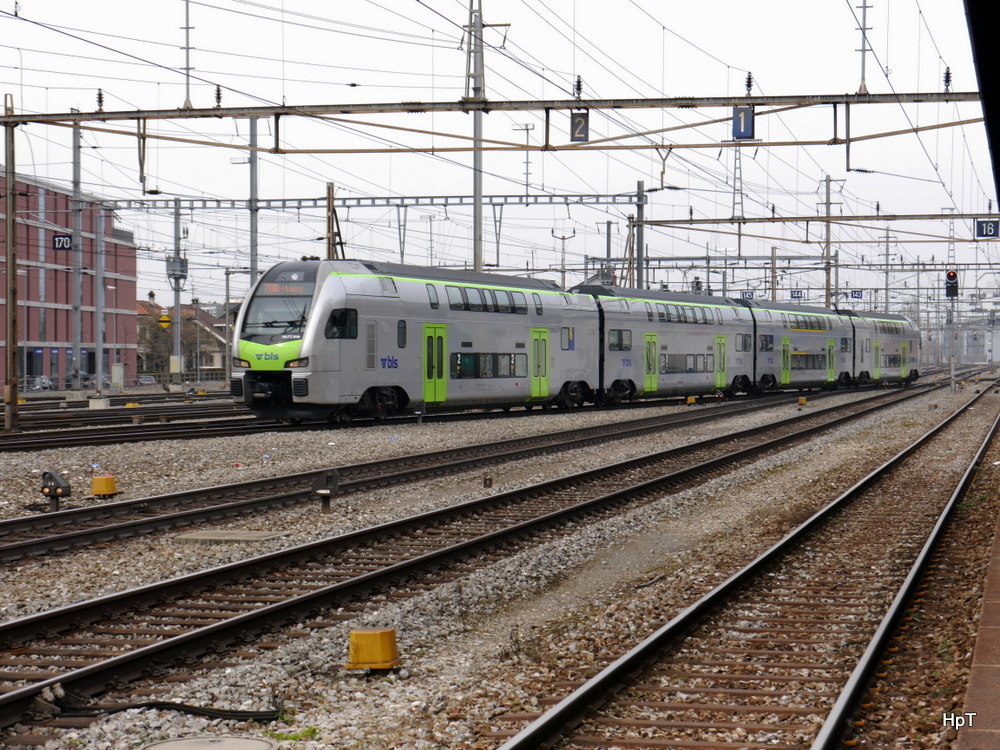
x=742, y=123
x=796, y=294
x=62, y=242
x=857, y=294
x=988, y=229
x=746, y=295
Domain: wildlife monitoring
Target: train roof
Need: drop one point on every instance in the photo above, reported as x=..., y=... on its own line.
x=610, y=290
x=460, y=276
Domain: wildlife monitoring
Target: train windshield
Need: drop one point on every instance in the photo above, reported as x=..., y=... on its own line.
x=279, y=309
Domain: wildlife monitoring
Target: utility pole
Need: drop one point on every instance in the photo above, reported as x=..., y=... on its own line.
x=187, y=54
x=887, y=269
x=429, y=218
x=77, y=207
x=640, y=250
x=478, y=94
x=527, y=127
x=774, y=273
x=10, y=189
x=564, y=239
x=99, y=328
x=177, y=273
x=254, y=210
x=863, y=88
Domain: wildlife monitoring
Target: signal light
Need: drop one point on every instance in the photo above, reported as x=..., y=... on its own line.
x=951, y=283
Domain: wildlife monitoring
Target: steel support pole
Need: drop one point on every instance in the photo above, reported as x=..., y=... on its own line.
x=77, y=324
x=10, y=219
x=99, y=327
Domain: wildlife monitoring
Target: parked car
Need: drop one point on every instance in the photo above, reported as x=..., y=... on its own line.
x=146, y=380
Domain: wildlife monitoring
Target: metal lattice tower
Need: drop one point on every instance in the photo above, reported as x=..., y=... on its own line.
x=738, y=184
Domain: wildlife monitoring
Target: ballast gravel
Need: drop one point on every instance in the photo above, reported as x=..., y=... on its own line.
x=473, y=649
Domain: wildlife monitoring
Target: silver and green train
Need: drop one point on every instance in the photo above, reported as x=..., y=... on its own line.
x=335, y=339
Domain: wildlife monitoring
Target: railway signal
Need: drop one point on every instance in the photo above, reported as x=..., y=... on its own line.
x=951, y=283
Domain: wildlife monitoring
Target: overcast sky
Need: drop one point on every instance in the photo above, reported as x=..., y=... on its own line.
x=58, y=53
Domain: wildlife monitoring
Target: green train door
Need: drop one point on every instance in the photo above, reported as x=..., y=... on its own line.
x=831, y=361
x=904, y=351
x=651, y=349
x=435, y=375
x=786, y=360
x=877, y=362
x=539, y=363
x=721, y=379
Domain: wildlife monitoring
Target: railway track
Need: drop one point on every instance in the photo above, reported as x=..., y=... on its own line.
x=173, y=421
x=75, y=418
x=87, y=646
x=779, y=654
x=57, y=531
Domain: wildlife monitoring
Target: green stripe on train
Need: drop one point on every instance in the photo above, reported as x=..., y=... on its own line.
x=269, y=356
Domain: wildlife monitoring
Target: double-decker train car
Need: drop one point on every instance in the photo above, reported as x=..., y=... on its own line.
x=338, y=339
x=322, y=339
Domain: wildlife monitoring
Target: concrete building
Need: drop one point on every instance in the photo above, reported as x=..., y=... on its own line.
x=46, y=289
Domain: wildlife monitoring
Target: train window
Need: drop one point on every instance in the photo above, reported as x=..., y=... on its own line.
x=674, y=314
x=432, y=295
x=649, y=311
x=503, y=301
x=766, y=342
x=342, y=324
x=487, y=365
x=388, y=286
x=718, y=315
x=567, y=339
x=845, y=344
x=475, y=297
x=520, y=365
x=784, y=321
x=661, y=311
x=619, y=340
x=744, y=342
x=520, y=304
x=401, y=334
x=456, y=300
x=463, y=365
x=705, y=315
x=868, y=345
x=538, y=303
x=690, y=363
x=505, y=365
x=664, y=363
x=489, y=300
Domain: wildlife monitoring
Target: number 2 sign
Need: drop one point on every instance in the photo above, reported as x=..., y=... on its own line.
x=579, y=127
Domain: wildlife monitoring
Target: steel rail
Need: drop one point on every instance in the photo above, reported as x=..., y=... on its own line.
x=832, y=729
x=550, y=727
x=380, y=473
x=133, y=664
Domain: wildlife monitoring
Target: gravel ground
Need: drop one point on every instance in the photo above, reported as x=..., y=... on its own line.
x=473, y=649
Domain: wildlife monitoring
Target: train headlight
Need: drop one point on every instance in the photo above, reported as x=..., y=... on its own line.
x=237, y=362
x=304, y=362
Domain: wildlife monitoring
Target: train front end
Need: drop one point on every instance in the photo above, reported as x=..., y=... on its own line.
x=271, y=329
